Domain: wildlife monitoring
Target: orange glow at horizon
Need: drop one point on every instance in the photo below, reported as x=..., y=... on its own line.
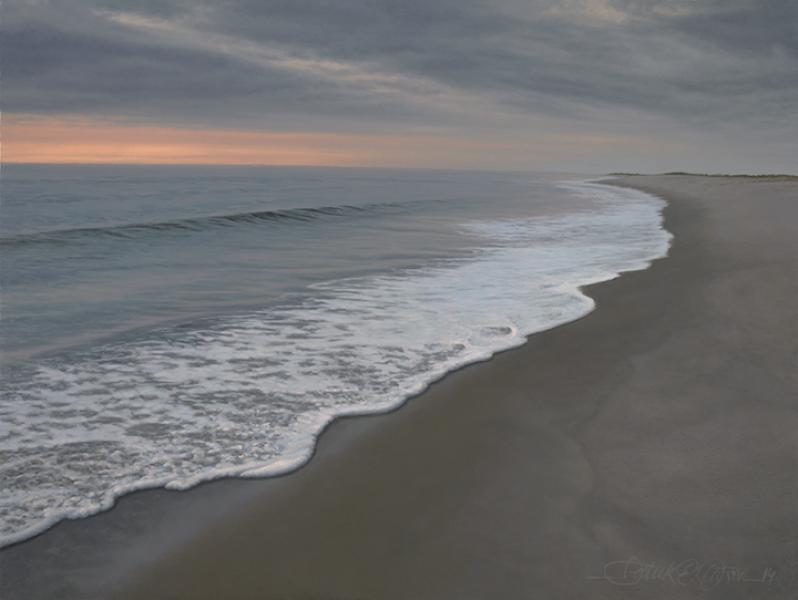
x=73, y=140
x=30, y=138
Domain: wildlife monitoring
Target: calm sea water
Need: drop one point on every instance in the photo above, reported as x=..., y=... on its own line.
x=168, y=325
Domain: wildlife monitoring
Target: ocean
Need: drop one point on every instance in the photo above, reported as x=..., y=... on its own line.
x=163, y=326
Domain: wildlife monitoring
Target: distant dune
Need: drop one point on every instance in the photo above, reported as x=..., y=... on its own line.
x=766, y=176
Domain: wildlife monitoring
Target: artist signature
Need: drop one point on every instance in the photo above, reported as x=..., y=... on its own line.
x=691, y=572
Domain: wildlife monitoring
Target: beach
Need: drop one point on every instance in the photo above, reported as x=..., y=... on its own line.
x=647, y=450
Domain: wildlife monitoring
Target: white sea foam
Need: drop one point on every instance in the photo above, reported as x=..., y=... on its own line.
x=248, y=396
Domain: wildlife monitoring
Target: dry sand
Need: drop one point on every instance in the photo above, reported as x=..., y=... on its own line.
x=649, y=450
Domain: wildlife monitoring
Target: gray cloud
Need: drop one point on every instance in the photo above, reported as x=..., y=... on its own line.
x=463, y=64
x=127, y=64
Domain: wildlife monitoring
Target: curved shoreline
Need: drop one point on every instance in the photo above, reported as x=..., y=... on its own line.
x=639, y=430
x=303, y=450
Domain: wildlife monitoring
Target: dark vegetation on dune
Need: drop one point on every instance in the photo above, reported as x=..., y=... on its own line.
x=767, y=176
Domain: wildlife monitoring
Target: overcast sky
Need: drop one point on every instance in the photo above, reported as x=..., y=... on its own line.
x=589, y=85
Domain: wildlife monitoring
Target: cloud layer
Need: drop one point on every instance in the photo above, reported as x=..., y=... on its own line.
x=726, y=68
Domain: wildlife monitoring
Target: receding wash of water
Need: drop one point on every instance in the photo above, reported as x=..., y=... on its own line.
x=164, y=326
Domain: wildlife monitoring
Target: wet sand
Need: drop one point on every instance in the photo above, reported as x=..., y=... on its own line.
x=648, y=450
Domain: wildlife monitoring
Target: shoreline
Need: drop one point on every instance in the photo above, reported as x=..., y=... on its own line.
x=301, y=453
x=523, y=492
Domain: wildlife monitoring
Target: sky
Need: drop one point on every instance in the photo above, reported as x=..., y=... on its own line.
x=567, y=85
